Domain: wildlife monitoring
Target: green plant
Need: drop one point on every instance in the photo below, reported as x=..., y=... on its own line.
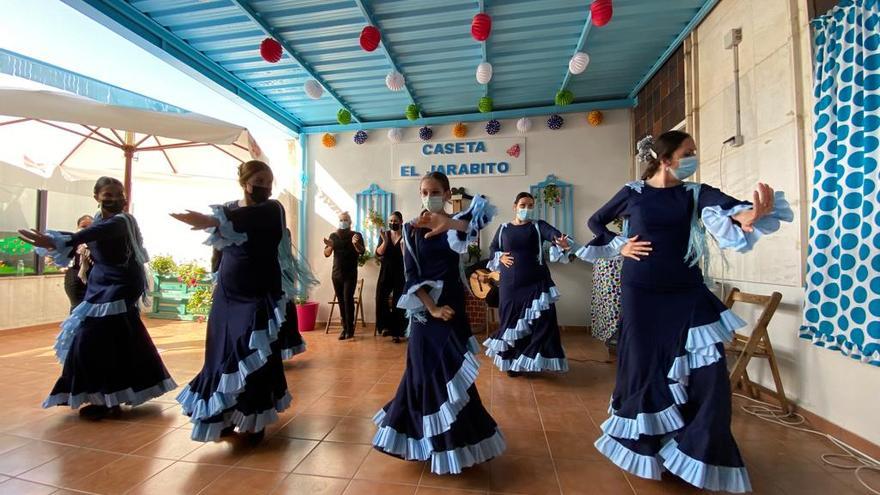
x=199, y=302
x=191, y=273
x=551, y=195
x=163, y=266
x=300, y=300
x=474, y=252
x=374, y=221
x=364, y=258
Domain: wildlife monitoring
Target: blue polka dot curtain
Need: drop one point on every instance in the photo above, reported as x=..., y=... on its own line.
x=842, y=309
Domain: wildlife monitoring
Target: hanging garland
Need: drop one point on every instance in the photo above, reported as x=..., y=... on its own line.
x=481, y=26
x=343, y=116
x=601, y=12
x=459, y=130
x=313, y=89
x=578, y=63
x=426, y=133
x=523, y=125
x=555, y=122
x=370, y=38
x=594, y=118
x=484, y=73
x=412, y=111
x=395, y=81
x=564, y=97
x=328, y=140
x=485, y=104
x=271, y=50
x=395, y=135
x=492, y=127
x=360, y=137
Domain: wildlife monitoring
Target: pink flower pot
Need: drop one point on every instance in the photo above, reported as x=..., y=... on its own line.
x=306, y=314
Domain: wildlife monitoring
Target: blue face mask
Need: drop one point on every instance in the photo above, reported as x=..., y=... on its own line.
x=687, y=167
x=524, y=214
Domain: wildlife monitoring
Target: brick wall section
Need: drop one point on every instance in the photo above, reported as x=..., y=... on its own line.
x=476, y=311
x=661, y=102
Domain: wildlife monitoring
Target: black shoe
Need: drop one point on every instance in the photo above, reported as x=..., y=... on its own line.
x=256, y=438
x=229, y=430
x=513, y=374
x=396, y=340
x=94, y=413
x=343, y=335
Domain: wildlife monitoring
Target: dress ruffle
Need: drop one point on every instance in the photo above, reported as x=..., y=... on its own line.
x=479, y=214
x=523, y=326
x=225, y=234
x=127, y=397
x=719, y=223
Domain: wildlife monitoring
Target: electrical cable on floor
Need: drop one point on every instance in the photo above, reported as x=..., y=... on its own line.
x=859, y=461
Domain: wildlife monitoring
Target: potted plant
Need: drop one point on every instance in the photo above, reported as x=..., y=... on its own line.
x=199, y=303
x=306, y=313
x=551, y=194
x=191, y=274
x=374, y=221
x=474, y=252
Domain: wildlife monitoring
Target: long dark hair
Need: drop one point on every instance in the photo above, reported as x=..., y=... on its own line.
x=397, y=214
x=654, y=151
x=523, y=195
x=105, y=181
x=250, y=168
x=439, y=177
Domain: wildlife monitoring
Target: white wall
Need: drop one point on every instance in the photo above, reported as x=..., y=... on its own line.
x=27, y=301
x=775, y=77
x=597, y=160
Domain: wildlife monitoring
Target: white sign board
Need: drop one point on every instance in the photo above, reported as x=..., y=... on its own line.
x=488, y=157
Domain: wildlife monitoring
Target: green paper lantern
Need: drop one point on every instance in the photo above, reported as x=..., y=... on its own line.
x=485, y=105
x=564, y=97
x=343, y=116
x=412, y=112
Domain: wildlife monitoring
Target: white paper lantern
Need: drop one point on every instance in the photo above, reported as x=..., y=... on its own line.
x=395, y=81
x=313, y=89
x=484, y=73
x=395, y=135
x=523, y=125
x=578, y=63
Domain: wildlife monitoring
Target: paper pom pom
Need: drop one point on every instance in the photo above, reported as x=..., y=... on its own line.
x=492, y=127
x=594, y=118
x=412, y=112
x=555, y=122
x=370, y=38
x=481, y=26
x=523, y=125
x=360, y=137
x=271, y=50
x=395, y=135
x=313, y=89
x=343, y=116
x=328, y=140
x=459, y=130
x=485, y=105
x=484, y=73
x=578, y=63
x=601, y=12
x=564, y=97
x=395, y=81
x=426, y=133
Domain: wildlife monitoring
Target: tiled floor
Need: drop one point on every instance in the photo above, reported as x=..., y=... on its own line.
x=321, y=446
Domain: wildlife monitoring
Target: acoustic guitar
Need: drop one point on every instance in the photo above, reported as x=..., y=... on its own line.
x=479, y=287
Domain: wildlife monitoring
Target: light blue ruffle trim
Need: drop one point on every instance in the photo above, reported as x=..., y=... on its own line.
x=224, y=235
x=73, y=323
x=495, y=263
x=523, y=325
x=559, y=255
x=473, y=345
x=251, y=423
x=611, y=250
x=702, y=475
x=527, y=364
x=479, y=214
x=719, y=223
x=60, y=252
x=289, y=352
x=643, y=466
x=411, y=302
x=457, y=397
x=658, y=423
x=701, y=340
x=128, y=396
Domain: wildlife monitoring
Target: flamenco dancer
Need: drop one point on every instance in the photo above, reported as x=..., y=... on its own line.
x=108, y=356
x=390, y=319
x=671, y=406
x=241, y=386
x=436, y=413
x=527, y=339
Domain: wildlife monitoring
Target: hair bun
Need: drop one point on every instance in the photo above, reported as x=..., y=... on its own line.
x=645, y=149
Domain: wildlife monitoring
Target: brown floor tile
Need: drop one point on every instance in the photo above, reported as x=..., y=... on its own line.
x=333, y=406
x=361, y=487
x=427, y=490
x=382, y=467
x=278, y=454
x=525, y=443
x=175, y=445
x=573, y=445
x=12, y=442
x=22, y=487
x=227, y=452
x=353, y=430
x=244, y=482
x=71, y=467
x=181, y=478
x=578, y=477
x=299, y=484
x=29, y=456
x=310, y=426
x=367, y=407
x=334, y=459
x=473, y=478
x=127, y=439
x=527, y=475
x=120, y=476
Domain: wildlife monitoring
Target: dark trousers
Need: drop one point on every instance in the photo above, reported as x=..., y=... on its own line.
x=344, y=288
x=388, y=316
x=75, y=289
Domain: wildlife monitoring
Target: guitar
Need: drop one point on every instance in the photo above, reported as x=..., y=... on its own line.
x=481, y=288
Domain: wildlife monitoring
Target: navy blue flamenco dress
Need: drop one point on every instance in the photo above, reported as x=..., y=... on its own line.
x=242, y=383
x=436, y=413
x=528, y=338
x=108, y=356
x=671, y=406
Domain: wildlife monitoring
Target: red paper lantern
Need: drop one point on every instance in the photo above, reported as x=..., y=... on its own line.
x=370, y=38
x=271, y=50
x=481, y=26
x=601, y=12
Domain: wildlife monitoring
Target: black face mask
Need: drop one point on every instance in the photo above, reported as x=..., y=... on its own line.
x=260, y=194
x=113, y=206
x=394, y=226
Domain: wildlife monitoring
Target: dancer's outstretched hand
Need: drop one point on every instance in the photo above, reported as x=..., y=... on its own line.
x=196, y=220
x=36, y=238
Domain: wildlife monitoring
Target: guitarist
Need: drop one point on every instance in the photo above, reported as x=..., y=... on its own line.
x=492, y=297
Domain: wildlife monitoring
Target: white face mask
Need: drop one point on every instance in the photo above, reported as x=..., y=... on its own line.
x=525, y=213
x=434, y=204
x=344, y=225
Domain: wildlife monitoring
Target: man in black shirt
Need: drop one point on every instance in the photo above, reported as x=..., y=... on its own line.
x=346, y=246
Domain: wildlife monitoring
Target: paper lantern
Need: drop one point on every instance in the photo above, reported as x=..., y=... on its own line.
x=493, y=127
x=484, y=73
x=426, y=133
x=395, y=81
x=271, y=50
x=523, y=125
x=360, y=137
x=578, y=63
x=555, y=122
x=370, y=38
x=343, y=116
x=313, y=89
x=481, y=26
x=328, y=140
x=601, y=12
x=564, y=97
x=459, y=130
x=412, y=111
x=485, y=104
x=594, y=118
x=395, y=135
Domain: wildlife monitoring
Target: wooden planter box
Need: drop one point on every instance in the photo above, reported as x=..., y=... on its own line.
x=170, y=297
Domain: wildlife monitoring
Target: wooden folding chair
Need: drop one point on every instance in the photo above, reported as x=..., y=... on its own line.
x=358, y=308
x=745, y=347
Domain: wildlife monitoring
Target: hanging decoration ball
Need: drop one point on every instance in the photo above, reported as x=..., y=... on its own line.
x=578, y=63
x=523, y=125
x=555, y=122
x=328, y=140
x=459, y=130
x=594, y=118
x=395, y=135
x=412, y=111
x=485, y=104
x=484, y=73
x=343, y=116
x=313, y=89
x=395, y=81
x=426, y=133
x=492, y=127
x=564, y=97
x=271, y=50
x=360, y=137
x=370, y=38
x=601, y=12
x=481, y=26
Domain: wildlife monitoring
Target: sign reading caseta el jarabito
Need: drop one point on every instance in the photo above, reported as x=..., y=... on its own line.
x=489, y=157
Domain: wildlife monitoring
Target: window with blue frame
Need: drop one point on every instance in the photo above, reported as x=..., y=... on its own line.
x=554, y=203
x=374, y=206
